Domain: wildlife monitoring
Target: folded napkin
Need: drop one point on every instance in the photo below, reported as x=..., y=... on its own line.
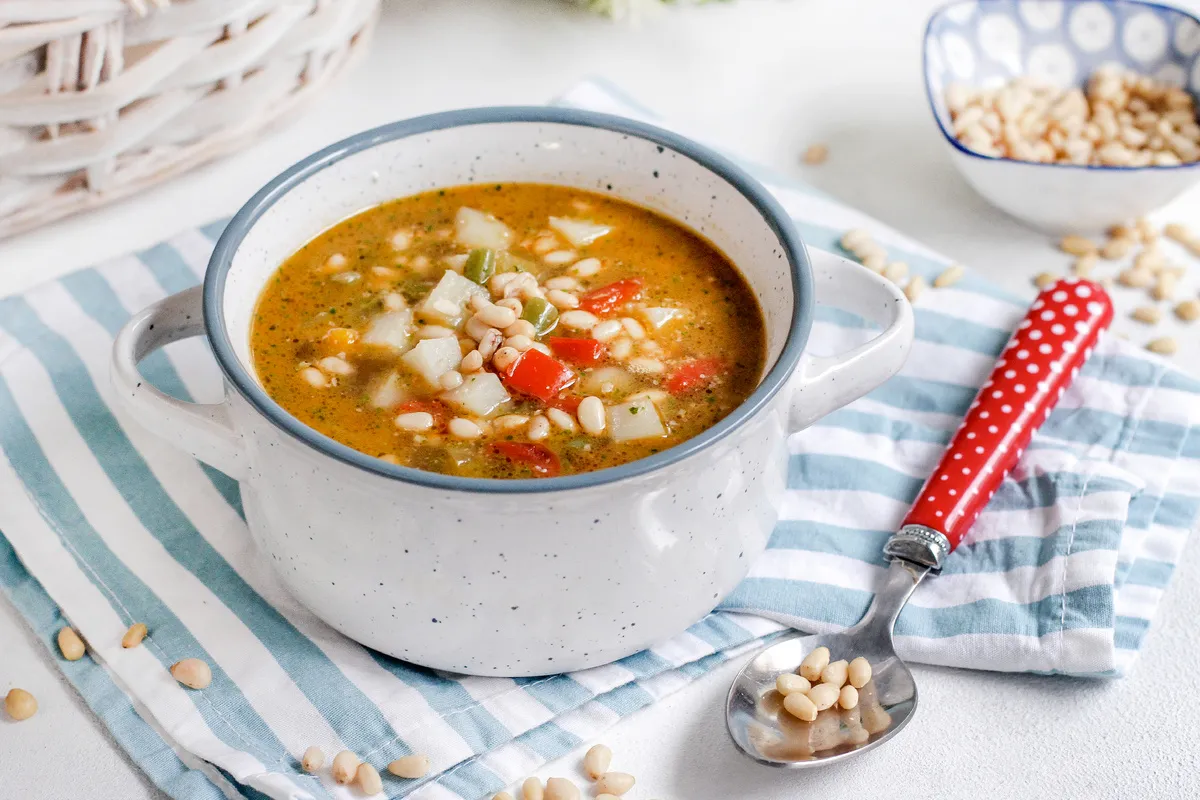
x=103, y=526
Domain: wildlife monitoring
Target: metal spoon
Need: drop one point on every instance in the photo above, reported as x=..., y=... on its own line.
x=1032, y=373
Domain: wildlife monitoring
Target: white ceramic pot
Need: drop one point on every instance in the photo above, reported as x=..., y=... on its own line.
x=521, y=577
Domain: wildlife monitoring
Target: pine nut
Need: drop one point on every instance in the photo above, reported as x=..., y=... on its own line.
x=585, y=268
x=633, y=328
x=472, y=362
x=1135, y=278
x=1150, y=259
x=70, y=645
x=559, y=257
x=606, y=796
x=1077, y=245
x=497, y=316
x=798, y=705
x=510, y=422
x=490, y=342
x=915, y=286
x=848, y=697
x=415, y=421
x=314, y=377
x=620, y=348
x=539, y=428
x=788, y=683
x=476, y=328
x=462, y=428
x=823, y=695
x=561, y=789
x=562, y=300
x=597, y=760
x=345, y=767
x=436, y=331
x=1147, y=314
x=561, y=419
x=1188, y=310
x=134, y=636
x=563, y=283
x=531, y=789
x=814, y=662
x=502, y=796
x=578, y=320
x=854, y=239
x=1166, y=346
x=1147, y=230
x=606, y=330
x=521, y=327
x=512, y=304
x=368, y=779
x=504, y=358
x=875, y=262
x=312, y=760
x=1178, y=232
x=411, y=767
x=591, y=415
x=895, y=271
x=816, y=154
x=617, y=783
x=1164, y=289
x=192, y=673
x=950, y=276
x=1045, y=279
x=20, y=704
x=1115, y=248
x=1084, y=265
x=835, y=673
x=519, y=343
x=859, y=672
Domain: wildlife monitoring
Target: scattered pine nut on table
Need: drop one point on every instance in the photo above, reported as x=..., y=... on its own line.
x=412, y=766
x=70, y=645
x=345, y=767
x=192, y=673
x=816, y=154
x=20, y=704
x=312, y=760
x=134, y=636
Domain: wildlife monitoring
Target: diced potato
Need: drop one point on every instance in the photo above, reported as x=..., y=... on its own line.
x=656, y=317
x=447, y=301
x=577, y=231
x=432, y=358
x=637, y=419
x=476, y=229
x=479, y=394
x=388, y=392
x=391, y=329
x=614, y=379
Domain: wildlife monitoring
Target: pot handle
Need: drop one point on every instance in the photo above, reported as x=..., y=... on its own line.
x=203, y=429
x=822, y=384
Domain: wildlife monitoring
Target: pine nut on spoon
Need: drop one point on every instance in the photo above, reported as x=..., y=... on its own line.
x=875, y=686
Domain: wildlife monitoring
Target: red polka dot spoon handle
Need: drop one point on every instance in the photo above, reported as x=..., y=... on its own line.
x=1032, y=373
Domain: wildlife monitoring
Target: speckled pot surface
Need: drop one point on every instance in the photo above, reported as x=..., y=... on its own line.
x=514, y=577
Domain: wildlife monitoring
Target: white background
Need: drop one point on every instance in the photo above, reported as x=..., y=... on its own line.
x=767, y=78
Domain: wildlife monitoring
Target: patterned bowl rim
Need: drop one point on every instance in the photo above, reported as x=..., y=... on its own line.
x=773, y=214
x=940, y=11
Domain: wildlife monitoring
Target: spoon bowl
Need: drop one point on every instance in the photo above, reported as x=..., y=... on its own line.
x=763, y=730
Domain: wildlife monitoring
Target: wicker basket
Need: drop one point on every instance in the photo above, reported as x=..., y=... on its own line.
x=102, y=98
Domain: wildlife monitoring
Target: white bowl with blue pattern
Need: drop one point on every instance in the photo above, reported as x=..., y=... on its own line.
x=985, y=43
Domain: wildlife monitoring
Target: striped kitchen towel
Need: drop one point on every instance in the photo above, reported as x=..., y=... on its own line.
x=103, y=525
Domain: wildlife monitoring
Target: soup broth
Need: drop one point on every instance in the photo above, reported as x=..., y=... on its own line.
x=508, y=331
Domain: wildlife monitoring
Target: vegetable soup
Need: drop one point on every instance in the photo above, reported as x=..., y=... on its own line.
x=508, y=331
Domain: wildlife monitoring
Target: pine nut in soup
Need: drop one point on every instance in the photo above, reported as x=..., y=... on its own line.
x=647, y=275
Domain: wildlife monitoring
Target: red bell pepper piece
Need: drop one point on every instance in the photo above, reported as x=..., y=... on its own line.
x=694, y=374
x=606, y=298
x=538, y=375
x=538, y=457
x=580, y=352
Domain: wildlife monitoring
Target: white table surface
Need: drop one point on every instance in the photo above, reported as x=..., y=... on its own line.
x=768, y=77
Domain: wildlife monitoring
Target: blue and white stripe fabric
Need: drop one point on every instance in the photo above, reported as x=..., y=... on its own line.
x=103, y=526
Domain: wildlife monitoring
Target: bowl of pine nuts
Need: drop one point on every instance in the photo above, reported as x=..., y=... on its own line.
x=1071, y=117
